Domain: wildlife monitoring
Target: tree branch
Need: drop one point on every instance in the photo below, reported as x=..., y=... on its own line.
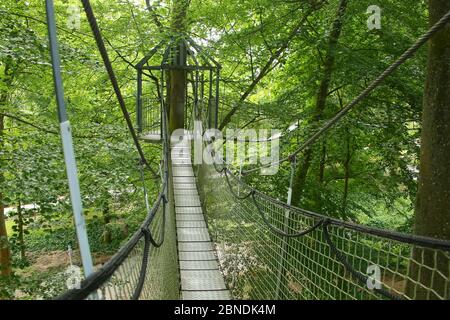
x=8, y=115
x=154, y=16
x=266, y=69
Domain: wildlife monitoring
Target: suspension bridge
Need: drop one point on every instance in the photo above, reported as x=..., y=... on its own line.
x=209, y=235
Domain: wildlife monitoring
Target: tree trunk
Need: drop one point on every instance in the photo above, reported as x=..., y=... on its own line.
x=323, y=162
x=177, y=76
x=20, y=229
x=107, y=235
x=432, y=216
x=348, y=158
x=5, y=254
x=302, y=172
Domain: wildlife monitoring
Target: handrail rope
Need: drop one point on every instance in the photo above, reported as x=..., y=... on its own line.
x=163, y=227
x=411, y=239
x=143, y=272
x=358, y=275
x=96, y=279
x=382, y=233
x=231, y=188
x=164, y=199
x=392, y=235
x=279, y=232
x=215, y=167
x=408, y=54
x=107, y=63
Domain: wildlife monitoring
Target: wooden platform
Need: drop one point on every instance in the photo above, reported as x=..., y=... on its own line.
x=201, y=278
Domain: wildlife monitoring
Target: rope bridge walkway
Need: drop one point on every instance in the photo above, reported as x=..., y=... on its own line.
x=200, y=276
x=211, y=236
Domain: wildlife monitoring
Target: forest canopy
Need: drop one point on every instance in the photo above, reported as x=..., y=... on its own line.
x=283, y=63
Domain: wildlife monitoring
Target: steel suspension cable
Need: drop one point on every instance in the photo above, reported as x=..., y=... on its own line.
x=107, y=63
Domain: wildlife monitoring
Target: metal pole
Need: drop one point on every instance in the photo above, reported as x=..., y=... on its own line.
x=139, y=101
x=216, y=111
x=66, y=135
x=196, y=95
x=285, y=229
x=202, y=98
x=210, y=98
x=161, y=109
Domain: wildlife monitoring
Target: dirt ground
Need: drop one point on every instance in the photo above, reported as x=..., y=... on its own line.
x=45, y=261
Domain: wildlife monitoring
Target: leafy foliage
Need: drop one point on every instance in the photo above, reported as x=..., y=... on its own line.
x=379, y=141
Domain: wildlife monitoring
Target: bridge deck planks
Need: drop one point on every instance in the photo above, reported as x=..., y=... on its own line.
x=201, y=278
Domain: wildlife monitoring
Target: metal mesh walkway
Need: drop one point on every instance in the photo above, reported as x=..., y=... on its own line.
x=200, y=276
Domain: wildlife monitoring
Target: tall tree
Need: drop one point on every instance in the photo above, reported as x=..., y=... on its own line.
x=177, y=75
x=432, y=214
x=5, y=255
x=321, y=100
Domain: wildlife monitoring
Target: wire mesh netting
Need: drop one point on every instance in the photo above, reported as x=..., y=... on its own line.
x=151, y=116
x=145, y=268
x=161, y=276
x=334, y=261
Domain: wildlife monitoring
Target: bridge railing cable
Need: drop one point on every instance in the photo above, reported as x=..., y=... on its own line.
x=107, y=63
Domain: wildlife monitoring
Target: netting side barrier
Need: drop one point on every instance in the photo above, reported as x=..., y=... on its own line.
x=323, y=259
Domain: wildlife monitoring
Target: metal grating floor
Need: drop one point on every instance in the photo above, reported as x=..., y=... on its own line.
x=191, y=224
x=198, y=265
x=201, y=278
x=206, y=295
x=190, y=217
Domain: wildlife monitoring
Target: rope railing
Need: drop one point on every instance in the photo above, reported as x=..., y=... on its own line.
x=330, y=259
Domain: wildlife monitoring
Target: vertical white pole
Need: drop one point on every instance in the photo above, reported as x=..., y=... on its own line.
x=285, y=229
x=69, y=154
